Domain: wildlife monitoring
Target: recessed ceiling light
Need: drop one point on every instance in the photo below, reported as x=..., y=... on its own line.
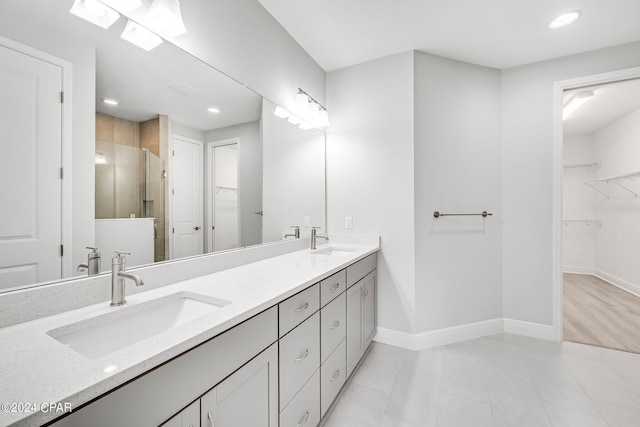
x=110, y=101
x=565, y=19
x=213, y=110
x=576, y=102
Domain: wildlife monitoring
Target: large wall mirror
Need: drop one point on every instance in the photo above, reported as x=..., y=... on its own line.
x=152, y=152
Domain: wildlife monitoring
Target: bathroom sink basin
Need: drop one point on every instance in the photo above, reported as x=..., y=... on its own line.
x=108, y=333
x=334, y=251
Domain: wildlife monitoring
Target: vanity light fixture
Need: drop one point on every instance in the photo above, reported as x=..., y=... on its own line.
x=95, y=12
x=576, y=102
x=323, y=118
x=213, y=110
x=301, y=106
x=100, y=159
x=138, y=35
x=565, y=19
x=123, y=5
x=294, y=120
x=110, y=101
x=165, y=18
x=283, y=113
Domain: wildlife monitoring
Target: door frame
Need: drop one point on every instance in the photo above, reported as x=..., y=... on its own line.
x=171, y=181
x=558, y=176
x=66, y=203
x=208, y=191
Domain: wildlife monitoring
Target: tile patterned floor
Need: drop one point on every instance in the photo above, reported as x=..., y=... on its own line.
x=503, y=380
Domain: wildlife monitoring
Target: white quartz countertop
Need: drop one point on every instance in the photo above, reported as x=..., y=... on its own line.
x=35, y=369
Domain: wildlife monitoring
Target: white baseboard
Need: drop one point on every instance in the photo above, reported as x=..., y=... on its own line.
x=529, y=329
x=616, y=281
x=572, y=269
x=441, y=336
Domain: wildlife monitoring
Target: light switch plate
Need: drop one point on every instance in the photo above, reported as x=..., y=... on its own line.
x=348, y=222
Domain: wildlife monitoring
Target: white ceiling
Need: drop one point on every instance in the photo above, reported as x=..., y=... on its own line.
x=609, y=103
x=493, y=33
x=140, y=80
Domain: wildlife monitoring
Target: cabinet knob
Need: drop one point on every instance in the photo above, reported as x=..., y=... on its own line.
x=335, y=376
x=335, y=325
x=197, y=227
x=334, y=287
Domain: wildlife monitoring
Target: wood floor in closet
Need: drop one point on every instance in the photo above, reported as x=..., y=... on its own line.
x=598, y=313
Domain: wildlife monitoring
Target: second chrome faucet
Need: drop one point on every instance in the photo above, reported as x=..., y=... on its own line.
x=118, y=276
x=315, y=236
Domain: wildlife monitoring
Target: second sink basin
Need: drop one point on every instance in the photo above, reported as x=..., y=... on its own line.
x=334, y=251
x=108, y=333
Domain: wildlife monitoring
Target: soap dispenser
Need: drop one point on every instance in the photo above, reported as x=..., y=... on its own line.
x=93, y=262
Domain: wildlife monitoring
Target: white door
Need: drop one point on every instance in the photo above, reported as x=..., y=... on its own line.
x=223, y=197
x=187, y=195
x=31, y=146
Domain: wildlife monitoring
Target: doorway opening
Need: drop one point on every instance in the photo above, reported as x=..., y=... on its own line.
x=223, y=207
x=598, y=288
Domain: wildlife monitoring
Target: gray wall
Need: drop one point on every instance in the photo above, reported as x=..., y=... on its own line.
x=457, y=169
x=370, y=172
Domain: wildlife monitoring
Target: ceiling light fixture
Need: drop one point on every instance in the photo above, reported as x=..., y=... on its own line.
x=213, y=110
x=565, y=19
x=165, y=18
x=94, y=12
x=110, y=101
x=100, y=159
x=576, y=102
x=123, y=5
x=138, y=35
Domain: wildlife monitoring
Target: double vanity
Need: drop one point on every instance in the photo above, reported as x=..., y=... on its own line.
x=267, y=343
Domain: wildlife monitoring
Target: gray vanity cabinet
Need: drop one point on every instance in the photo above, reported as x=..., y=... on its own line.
x=188, y=417
x=249, y=397
x=361, y=312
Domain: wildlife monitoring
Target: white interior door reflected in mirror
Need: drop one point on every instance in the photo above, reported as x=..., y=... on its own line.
x=223, y=195
x=30, y=168
x=186, y=197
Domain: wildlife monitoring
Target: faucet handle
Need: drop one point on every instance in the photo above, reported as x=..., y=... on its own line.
x=92, y=248
x=295, y=226
x=317, y=228
x=119, y=254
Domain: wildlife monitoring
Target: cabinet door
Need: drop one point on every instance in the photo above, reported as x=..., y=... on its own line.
x=369, y=308
x=354, y=326
x=188, y=417
x=249, y=397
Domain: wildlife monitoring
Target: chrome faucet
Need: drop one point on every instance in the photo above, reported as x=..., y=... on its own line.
x=93, y=262
x=296, y=232
x=315, y=236
x=118, y=275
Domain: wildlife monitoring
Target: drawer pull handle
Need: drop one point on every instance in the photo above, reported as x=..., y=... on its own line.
x=304, y=356
x=335, y=325
x=335, y=376
x=304, y=419
x=334, y=287
x=302, y=307
x=210, y=418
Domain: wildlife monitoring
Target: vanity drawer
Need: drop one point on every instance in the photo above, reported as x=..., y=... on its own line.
x=304, y=409
x=296, y=309
x=299, y=357
x=332, y=286
x=360, y=269
x=333, y=325
x=333, y=374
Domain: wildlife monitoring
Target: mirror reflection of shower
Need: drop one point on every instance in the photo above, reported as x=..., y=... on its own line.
x=130, y=180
